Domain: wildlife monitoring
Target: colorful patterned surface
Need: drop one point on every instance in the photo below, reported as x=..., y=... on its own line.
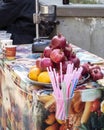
x=26, y=106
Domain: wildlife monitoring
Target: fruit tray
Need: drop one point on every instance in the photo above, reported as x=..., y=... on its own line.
x=81, y=81
x=39, y=83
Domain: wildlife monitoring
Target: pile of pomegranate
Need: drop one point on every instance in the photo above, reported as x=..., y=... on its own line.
x=94, y=71
x=60, y=50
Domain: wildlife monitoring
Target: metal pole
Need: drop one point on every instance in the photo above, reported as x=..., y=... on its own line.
x=37, y=19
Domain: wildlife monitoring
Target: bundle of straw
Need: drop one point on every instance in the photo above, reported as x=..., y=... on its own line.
x=64, y=89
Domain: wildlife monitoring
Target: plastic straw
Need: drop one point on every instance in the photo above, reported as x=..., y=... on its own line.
x=61, y=75
x=73, y=87
x=68, y=85
x=52, y=81
x=57, y=81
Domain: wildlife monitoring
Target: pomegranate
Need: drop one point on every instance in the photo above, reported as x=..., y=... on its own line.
x=64, y=66
x=47, y=51
x=85, y=67
x=38, y=62
x=45, y=62
x=96, y=74
x=58, y=41
x=91, y=67
x=57, y=55
x=68, y=50
x=75, y=60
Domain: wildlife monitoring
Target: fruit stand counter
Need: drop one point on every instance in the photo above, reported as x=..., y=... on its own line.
x=27, y=106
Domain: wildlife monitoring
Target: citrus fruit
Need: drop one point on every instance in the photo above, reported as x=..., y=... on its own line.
x=33, y=73
x=44, y=77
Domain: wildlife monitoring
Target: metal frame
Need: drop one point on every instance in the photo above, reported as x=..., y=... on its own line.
x=81, y=10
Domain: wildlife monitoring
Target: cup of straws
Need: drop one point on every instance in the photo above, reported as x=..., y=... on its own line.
x=63, y=90
x=62, y=110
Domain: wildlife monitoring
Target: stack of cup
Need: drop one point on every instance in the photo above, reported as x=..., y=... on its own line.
x=5, y=38
x=6, y=45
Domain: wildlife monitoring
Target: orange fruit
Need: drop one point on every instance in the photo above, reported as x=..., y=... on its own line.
x=44, y=77
x=33, y=73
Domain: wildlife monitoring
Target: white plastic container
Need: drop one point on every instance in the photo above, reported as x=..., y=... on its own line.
x=90, y=94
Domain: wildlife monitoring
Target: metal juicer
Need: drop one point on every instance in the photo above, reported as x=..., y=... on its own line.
x=45, y=20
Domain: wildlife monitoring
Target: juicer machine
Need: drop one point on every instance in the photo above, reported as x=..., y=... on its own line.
x=45, y=21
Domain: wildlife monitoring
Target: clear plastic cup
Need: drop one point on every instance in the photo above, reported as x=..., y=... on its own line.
x=62, y=108
x=6, y=42
x=4, y=36
x=8, y=35
x=3, y=31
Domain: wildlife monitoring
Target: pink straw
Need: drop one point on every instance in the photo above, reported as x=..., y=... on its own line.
x=68, y=85
x=61, y=75
x=52, y=81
